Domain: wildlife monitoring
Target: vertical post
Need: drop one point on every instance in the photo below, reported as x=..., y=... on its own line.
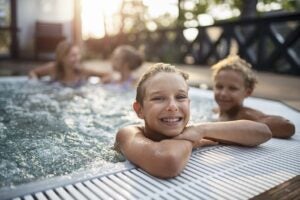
x=14, y=47
x=77, y=22
x=261, y=48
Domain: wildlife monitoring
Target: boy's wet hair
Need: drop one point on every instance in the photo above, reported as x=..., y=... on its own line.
x=153, y=70
x=234, y=62
x=129, y=55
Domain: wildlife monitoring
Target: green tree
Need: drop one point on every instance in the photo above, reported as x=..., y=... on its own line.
x=247, y=8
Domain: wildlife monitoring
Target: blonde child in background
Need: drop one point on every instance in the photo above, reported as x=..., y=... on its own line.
x=233, y=82
x=67, y=68
x=163, y=145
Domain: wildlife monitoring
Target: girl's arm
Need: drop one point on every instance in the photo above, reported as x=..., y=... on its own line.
x=47, y=69
x=90, y=71
x=163, y=159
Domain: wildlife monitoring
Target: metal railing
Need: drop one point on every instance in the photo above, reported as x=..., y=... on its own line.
x=269, y=43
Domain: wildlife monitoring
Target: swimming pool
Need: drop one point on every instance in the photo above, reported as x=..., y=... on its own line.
x=48, y=130
x=218, y=172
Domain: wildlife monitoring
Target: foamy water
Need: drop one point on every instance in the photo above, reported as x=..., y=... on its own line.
x=47, y=130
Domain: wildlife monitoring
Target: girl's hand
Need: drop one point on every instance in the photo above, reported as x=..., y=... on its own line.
x=32, y=76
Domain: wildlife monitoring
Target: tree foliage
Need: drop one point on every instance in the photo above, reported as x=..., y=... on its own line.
x=135, y=18
x=246, y=8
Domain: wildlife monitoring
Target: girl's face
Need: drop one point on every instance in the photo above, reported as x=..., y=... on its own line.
x=166, y=106
x=72, y=59
x=230, y=90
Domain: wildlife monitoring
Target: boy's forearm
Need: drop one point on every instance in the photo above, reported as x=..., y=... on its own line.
x=279, y=126
x=241, y=132
x=172, y=156
x=164, y=159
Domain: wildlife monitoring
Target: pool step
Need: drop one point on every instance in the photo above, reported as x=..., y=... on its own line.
x=220, y=172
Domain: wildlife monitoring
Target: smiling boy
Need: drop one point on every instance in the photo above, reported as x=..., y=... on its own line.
x=162, y=146
x=233, y=82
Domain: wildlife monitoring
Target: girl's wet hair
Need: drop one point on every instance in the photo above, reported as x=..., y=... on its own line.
x=234, y=62
x=152, y=71
x=62, y=50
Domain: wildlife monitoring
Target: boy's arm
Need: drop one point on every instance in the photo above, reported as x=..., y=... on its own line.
x=164, y=159
x=240, y=132
x=43, y=70
x=279, y=126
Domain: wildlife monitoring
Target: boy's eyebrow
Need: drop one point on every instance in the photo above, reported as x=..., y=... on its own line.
x=159, y=92
x=184, y=91
x=155, y=92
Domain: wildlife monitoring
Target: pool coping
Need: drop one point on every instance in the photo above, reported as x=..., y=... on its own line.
x=49, y=183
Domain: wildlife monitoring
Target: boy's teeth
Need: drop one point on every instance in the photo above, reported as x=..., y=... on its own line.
x=171, y=119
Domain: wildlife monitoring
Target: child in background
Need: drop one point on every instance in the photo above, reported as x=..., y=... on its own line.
x=67, y=69
x=233, y=82
x=163, y=145
x=125, y=60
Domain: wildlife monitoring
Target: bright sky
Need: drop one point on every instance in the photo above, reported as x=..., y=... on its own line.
x=93, y=14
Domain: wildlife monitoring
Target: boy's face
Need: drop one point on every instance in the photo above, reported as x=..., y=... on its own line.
x=166, y=106
x=230, y=90
x=116, y=62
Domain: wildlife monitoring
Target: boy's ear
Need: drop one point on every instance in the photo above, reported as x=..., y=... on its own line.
x=138, y=110
x=249, y=91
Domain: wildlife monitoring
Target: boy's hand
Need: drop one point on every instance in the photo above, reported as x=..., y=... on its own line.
x=204, y=143
x=195, y=135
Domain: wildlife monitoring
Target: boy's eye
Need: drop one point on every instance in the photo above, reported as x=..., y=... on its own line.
x=181, y=97
x=233, y=88
x=159, y=98
x=218, y=86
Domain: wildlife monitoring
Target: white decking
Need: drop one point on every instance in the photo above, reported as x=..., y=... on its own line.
x=219, y=172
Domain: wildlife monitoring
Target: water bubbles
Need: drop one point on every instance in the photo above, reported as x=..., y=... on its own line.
x=47, y=131
x=2, y=132
x=41, y=102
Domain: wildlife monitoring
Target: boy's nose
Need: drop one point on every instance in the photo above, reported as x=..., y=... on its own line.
x=223, y=92
x=172, y=105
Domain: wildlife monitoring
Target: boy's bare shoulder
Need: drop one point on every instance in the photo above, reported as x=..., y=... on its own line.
x=126, y=134
x=129, y=131
x=250, y=113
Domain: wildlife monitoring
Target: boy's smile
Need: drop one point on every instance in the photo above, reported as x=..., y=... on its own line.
x=166, y=104
x=230, y=90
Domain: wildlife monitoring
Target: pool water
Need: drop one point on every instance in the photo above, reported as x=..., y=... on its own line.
x=48, y=130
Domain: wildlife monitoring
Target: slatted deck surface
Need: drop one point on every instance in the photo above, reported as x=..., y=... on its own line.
x=220, y=172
